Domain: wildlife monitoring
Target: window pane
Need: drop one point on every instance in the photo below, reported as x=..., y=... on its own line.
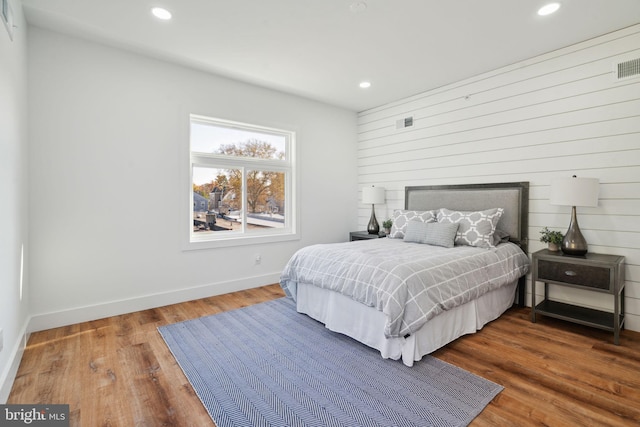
x=216, y=139
x=265, y=199
x=217, y=200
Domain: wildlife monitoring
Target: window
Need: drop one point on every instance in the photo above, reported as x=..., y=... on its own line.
x=242, y=179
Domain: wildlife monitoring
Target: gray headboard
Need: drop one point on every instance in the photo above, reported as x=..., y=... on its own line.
x=513, y=197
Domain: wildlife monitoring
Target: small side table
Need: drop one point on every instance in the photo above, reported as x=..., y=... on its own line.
x=594, y=272
x=364, y=235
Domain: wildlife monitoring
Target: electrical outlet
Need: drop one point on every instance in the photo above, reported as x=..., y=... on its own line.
x=257, y=259
x=1, y=340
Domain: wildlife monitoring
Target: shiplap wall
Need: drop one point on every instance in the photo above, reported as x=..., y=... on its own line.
x=551, y=116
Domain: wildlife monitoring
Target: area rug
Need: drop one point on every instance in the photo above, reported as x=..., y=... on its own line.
x=267, y=365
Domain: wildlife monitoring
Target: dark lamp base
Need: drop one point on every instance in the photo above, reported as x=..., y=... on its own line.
x=373, y=227
x=574, y=252
x=574, y=243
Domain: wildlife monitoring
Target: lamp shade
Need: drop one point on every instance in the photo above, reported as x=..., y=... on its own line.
x=574, y=192
x=372, y=195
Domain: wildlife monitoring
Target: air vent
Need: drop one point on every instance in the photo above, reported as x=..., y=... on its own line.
x=404, y=123
x=628, y=69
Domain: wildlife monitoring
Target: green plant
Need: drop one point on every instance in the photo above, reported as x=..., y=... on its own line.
x=387, y=223
x=548, y=236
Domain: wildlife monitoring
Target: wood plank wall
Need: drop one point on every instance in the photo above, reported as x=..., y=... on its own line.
x=555, y=115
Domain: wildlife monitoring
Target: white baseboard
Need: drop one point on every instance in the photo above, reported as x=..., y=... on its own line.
x=71, y=316
x=9, y=375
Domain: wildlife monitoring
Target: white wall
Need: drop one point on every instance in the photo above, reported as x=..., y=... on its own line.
x=551, y=116
x=108, y=131
x=13, y=193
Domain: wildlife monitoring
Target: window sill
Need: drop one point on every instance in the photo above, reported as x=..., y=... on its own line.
x=242, y=240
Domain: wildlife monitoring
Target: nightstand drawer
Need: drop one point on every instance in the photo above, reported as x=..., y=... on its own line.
x=364, y=235
x=580, y=275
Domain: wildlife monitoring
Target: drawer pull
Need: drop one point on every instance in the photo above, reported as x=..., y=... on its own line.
x=570, y=273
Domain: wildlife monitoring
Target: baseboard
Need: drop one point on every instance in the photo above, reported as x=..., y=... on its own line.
x=56, y=319
x=9, y=375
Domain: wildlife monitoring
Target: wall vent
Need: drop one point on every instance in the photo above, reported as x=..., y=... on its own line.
x=404, y=123
x=628, y=69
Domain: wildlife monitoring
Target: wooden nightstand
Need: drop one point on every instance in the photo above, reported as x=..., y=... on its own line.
x=364, y=235
x=594, y=272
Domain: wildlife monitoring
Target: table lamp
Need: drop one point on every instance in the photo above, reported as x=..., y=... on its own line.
x=574, y=192
x=373, y=195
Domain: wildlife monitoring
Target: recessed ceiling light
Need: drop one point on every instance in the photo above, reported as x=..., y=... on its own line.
x=161, y=13
x=548, y=9
x=365, y=85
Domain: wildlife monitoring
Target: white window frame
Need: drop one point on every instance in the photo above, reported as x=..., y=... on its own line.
x=220, y=161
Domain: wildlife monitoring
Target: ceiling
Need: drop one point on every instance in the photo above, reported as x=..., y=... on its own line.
x=322, y=49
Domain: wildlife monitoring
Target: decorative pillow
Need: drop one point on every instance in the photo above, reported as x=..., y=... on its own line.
x=475, y=228
x=401, y=217
x=431, y=233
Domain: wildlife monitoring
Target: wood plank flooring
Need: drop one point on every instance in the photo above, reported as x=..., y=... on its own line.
x=119, y=372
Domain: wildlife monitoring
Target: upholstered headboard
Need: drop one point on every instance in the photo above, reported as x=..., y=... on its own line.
x=513, y=197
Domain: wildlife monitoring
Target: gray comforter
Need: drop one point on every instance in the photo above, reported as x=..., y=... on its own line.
x=409, y=282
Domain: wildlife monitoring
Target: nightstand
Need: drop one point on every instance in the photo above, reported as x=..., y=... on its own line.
x=364, y=235
x=593, y=272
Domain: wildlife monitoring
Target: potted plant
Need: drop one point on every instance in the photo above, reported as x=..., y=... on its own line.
x=552, y=238
x=387, y=225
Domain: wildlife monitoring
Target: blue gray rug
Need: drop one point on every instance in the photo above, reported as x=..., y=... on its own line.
x=267, y=365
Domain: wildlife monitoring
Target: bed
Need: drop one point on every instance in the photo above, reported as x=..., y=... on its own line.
x=406, y=298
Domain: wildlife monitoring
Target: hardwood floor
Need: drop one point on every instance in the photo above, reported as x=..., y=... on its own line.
x=119, y=372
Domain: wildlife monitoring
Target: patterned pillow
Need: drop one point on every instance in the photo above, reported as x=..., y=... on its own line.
x=475, y=228
x=402, y=217
x=433, y=233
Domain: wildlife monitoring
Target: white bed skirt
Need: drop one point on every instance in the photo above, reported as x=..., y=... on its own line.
x=366, y=324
